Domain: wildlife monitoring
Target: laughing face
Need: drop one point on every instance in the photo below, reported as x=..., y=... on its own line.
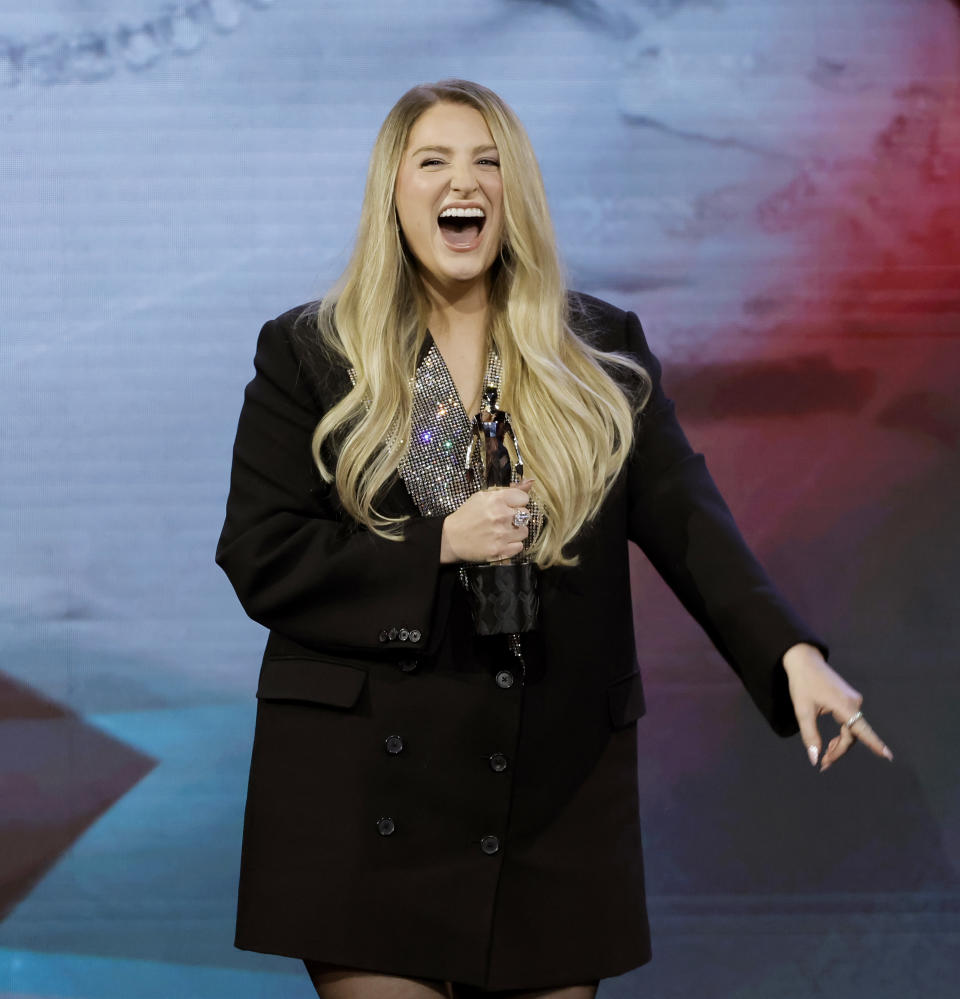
x=449, y=198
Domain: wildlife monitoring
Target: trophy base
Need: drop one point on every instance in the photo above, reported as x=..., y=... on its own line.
x=504, y=598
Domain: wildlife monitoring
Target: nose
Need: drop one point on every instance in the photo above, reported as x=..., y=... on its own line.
x=463, y=179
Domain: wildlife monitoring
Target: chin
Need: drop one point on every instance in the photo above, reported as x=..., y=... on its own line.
x=467, y=275
x=473, y=266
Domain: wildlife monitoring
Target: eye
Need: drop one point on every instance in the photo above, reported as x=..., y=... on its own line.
x=432, y=161
x=489, y=161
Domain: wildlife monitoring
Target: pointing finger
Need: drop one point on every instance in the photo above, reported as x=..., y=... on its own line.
x=862, y=730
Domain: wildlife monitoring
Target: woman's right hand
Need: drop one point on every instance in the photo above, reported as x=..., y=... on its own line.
x=481, y=529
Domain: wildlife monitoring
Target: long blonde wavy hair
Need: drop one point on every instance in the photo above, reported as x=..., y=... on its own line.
x=375, y=319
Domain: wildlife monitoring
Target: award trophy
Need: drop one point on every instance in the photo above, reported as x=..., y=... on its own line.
x=503, y=594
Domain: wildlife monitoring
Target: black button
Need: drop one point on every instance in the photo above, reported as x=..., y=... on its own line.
x=498, y=762
x=408, y=665
x=394, y=744
x=383, y=636
x=403, y=634
x=504, y=679
x=385, y=826
x=490, y=845
x=392, y=634
x=415, y=635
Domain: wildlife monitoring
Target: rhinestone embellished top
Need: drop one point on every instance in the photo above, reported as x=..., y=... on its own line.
x=433, y=467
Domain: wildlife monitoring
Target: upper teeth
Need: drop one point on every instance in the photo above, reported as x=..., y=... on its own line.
x=462, y=213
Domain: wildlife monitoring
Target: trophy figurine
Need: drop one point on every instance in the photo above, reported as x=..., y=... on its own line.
x=504, y=597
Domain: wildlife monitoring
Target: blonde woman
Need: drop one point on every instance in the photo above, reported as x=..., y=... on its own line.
x=438, y=808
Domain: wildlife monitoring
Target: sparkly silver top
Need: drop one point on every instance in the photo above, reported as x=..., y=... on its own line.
x=433, y=467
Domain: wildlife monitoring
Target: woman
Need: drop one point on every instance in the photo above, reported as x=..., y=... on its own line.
x=433, y=809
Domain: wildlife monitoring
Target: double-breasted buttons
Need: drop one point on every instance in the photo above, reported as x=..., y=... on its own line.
x=505, y=679
x=386, y=826
x=498, y=762
x=490, y=845
x=400, y=634
x=393, y=744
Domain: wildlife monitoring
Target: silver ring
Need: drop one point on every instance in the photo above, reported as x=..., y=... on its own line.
x=521, y=517
x=853, y=718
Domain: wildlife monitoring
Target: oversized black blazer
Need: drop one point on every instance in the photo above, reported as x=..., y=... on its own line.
x=364, y=629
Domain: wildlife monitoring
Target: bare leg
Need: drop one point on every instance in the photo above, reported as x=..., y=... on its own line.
x=334, y=982
x=569, y=992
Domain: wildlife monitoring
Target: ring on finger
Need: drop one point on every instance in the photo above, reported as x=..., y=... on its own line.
x=853, y=718
x=521, y=517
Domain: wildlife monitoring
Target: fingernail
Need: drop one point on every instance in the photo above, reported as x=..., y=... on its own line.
x=887, y=753
x=813, y=753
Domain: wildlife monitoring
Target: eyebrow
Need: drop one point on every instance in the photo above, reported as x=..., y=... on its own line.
x=446, y=150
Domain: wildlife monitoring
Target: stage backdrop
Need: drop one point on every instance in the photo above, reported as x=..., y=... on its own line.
x=773, y=186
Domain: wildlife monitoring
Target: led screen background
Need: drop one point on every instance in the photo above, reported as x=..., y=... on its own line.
x=773, y=187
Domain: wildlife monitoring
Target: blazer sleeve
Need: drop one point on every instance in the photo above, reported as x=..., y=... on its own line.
x=299, y=565
x=681, y=522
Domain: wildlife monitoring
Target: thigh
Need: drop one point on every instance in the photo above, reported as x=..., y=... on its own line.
x=565, y=992
x=334, y=982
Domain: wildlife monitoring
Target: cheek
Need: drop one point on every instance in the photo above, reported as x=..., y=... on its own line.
x=414, y=208
x=415, y=228
x=495, y=196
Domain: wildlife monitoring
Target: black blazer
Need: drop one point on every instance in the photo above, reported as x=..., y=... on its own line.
x=306, y=574
x=370, y=639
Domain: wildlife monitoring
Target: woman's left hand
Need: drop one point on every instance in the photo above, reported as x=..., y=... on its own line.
x=816, y=689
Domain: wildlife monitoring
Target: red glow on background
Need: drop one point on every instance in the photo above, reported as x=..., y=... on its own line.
x=835, y=438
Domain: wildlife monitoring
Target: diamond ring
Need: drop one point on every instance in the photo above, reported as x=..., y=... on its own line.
x=521, y=517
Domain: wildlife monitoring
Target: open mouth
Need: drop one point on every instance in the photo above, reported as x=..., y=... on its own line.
x=460, y=228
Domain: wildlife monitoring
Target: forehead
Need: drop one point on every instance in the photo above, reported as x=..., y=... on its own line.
x=448, y=124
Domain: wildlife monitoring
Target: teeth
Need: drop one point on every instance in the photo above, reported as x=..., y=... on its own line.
x=462, y=213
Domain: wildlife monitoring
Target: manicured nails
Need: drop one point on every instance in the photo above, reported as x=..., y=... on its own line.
x=814, y=755
x=887, y=753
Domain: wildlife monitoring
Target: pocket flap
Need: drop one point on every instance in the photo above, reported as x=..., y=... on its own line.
x=316, y=680
x=625, y=700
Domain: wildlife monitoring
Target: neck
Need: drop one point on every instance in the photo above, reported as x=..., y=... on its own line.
x=457, y=311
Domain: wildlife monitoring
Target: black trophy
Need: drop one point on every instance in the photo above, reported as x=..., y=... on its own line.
x=504, y=597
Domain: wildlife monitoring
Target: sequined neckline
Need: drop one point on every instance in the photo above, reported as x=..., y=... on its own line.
x=433, y=465
x=491, y=372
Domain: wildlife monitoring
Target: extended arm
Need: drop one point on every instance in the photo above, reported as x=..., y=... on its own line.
x=680, y=520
